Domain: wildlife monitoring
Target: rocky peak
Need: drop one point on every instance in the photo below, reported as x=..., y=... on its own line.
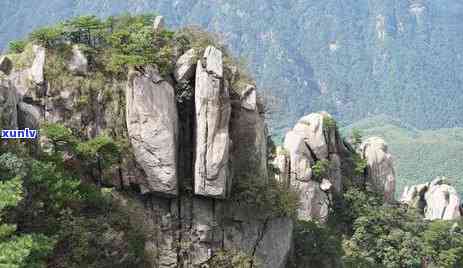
x=436, y=200
x=380, y=166
x=310, y=162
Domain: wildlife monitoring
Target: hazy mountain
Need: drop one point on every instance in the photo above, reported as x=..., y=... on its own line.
x=353, y=58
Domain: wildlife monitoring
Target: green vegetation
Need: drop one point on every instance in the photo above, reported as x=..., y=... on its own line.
x=321, y=169
x=363, y=232
x=233, y=259
x=63, y=220
x=17, y=46
x=271, y=197
x=419, y=155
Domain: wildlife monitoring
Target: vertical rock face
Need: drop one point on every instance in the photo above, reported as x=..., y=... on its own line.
x=436, y=200
x=314, y=140
x=37, y=68
x=78, y=63
x=212, y=175
x=152, y=125
x=5, y=65
x=185, y=66
x=8, y=103
x=248, y=133
x=380, y=168
x=189, y=216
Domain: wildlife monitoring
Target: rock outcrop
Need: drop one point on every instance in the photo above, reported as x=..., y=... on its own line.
x=185, y=66
x=380, y=167
x=181, y=155
x=212, y=103
x=5, y=65
x=8, y=104
x=37, y=68
x=78, y=63
x=152, y=124
x=436, y=200
x=310, y=162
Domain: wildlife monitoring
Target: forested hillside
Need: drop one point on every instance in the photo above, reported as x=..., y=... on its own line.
x=353, y=58
x=153, y=152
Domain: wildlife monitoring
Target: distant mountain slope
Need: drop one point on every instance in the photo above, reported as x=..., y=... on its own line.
x=353, y=58
x=420, y=156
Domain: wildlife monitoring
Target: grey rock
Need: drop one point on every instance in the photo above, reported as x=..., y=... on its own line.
x=212, y=175
x=314, y=201
x=275, y=246
x=36, y=74
x=185, y=66
x=300, y=157
x=29, y=116
x=248, y=133
x=213, y=62
x=5, y=65
x=249, y=98
x=158, y=24
x=436, y=200
x=380, y=166
x=282, y=164
x=442, y=202
x=8, y=103
x=311, y=128
x=152, y=125
x=78, y=63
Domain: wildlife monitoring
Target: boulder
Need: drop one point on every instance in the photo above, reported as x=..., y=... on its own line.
x=78, y=64
x=8, y=104
x=5, y=65
x=300, y=157
x=212, y=103
x=185, y=66
x=249, y=98
x=442, y=202
x=436, y=200
x=311, y=128
x=36, y=73
x=314, y=138
x=380, y=166
x=152, y=125
x=29, y=116
x=314, y=201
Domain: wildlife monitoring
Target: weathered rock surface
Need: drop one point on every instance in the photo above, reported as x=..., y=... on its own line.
x=29, y=116
x=314, y=138
x=184, y=205
x=380, y=167
x=78, y=63
x=5, y=65
x=249, y=98
x=248, y=133
x=8, y=103
x=437, y=200
x=37, y=68
x=212, y=174
x=152, y=124
x=186, y=66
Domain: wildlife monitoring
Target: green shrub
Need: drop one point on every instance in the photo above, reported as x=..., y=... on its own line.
x=271, y=197
x=48, y=36
x=329, y=123
x=233, y=259
x=315, y=245
x=321, y=169
x=17, y=46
